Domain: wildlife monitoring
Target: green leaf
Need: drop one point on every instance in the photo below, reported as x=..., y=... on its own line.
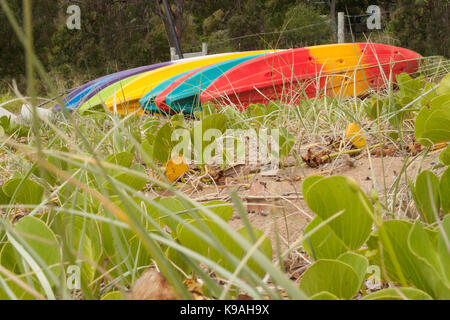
x=323, y=244
x=163, y=143
x=409, y=87
x=114, y=295
x=58, y=163
x=43, y=173
x=433, y=125
x=272, y=110
x=441, y=101
x=133, y=181
x=373, y=107
x=444, y=190
x=4, y=122
x=357, y=262
x=10, y=128
x=71, y=194
x=18, y=291
x=10, y=258
x=175, y=257
x=29, y=192
x=4, y=199
x=397, y=232
x=192, y=241
x=333, y=195
x=286, y=142
x=333, y=276
x=443, y=248
x=178, y=121
x=222, y=208
x=83, y=237
x=208, y=108
x=217, y=122
x=265, y=247
x=256, y=114
x=392, y=294
x=416, y=270
x=423, y=244
x=324, y=296
x=123, y=159
x=42, y=240
x=427, y=99
x=136, y=254
x=147, y=148
x=444, y=157
x=426, y=195
x=309, y=182
x=175, y=206
x=444, y=86
x=149, y=127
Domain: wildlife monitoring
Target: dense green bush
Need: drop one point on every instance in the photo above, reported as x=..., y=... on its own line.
x=422, y=26
x=308, y=27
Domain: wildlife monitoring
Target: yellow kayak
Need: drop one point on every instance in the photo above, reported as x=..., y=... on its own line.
x=126, y=100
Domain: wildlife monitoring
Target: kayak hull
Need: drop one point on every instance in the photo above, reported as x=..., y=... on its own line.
x=341, y=70
x=160, y=100
x=99, y=98
x=98, y=85
x=147, y=102
x=185, y=97
x=127, y=100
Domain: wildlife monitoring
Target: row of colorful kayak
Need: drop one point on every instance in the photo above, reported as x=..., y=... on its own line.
x=242, y=78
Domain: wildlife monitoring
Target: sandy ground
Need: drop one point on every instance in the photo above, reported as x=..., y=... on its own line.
x=280, y=209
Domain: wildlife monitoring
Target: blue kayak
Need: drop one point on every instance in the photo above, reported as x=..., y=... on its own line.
x=79, y=98
x=186, y=96
x=147, y=102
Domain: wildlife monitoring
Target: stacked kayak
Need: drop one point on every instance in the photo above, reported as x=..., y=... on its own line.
x=242, y=78
x=94, y=93
x=148, y=101
x=343, y=70
x=184, y=93
x=160, y=99
x=127, y=99
x=82, y=94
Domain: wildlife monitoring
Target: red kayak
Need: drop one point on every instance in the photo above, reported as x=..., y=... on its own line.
x=340, y=70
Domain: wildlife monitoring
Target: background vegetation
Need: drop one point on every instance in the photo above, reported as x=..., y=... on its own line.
x=116, y=35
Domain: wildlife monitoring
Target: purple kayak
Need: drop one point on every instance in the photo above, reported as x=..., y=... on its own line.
x=88, y=90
